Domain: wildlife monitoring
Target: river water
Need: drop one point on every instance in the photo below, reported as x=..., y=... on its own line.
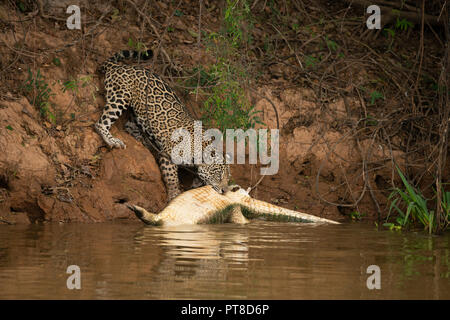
x=261, y=260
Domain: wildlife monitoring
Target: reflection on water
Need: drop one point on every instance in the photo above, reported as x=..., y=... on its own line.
x=262, y=260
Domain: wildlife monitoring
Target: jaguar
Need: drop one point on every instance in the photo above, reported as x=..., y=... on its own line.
x=156, y=112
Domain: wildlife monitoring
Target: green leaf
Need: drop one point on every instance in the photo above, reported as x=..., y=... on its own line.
x=130, y=43
x=403, y=24
x=115, y=14
x=9, y=127
x=391, y=32
x=56, y=62
x=193, y=33
x=408, y=212
x=310, y=61
x=409, y=188
x=21, y=6
x=374, y=96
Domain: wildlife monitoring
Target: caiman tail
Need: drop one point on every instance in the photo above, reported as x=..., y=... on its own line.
x=258, y=208
x=145, y=216
x=270, y=211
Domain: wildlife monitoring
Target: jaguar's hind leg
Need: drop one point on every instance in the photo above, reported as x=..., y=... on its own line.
x=134, y=130
x=169, y=172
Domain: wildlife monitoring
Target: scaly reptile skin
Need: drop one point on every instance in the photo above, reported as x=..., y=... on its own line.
x=205, y=205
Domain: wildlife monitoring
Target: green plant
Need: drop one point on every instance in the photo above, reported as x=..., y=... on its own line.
x=371, y=121
x=356, y=215
x=375, y=95
x=86, y=81
x=71, y=85
x=403, y=24
x=115, y=15
x=237, y=12
x=22, y=6
x=39, y=93
x=227, y=106
x=332, y=45
x=310, y=61
x=390, y=33
x=201, y=77
x=412, y=207
x=392, y=226
x=56, y=61
x=138, y=46
x=445, y=204
x=415, y=204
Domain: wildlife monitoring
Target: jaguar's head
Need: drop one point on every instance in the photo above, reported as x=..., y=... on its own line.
x=217, y=175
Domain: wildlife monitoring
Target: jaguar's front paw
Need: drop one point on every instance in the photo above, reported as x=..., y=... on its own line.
x=116, y=143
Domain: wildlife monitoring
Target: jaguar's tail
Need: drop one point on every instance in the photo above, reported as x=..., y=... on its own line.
x=126, y=54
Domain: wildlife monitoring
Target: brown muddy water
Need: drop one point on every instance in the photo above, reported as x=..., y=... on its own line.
x=262, y=260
